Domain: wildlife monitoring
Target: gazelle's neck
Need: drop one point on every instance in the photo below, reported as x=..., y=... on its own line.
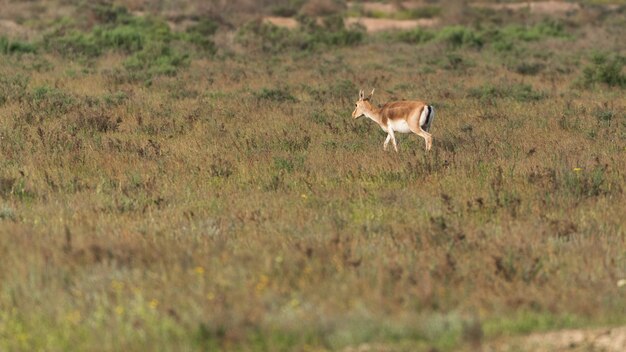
x=373, y=114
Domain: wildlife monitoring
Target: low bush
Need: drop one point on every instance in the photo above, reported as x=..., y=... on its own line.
x=156, y=59
x=153, y=47
x=500, y=38
x=287, y=8
x=279, y=95
x=201, y=33
x=605, y=69
x=8, y=46
x=529, y=68
x=12, y=88
x=518, y=91
x=460, y=36
x=50, y=101
x=308, y=36
x=415, y=36
x=343, y=91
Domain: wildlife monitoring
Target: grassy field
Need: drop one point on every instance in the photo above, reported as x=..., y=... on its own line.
x=200, y=184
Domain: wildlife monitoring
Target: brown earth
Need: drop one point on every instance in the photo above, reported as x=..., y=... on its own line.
x=370, y=24
x=13, y=30
x=574, y=340
x=384, y=7
x=383, y=24
x=539, y=7
x=286, y=22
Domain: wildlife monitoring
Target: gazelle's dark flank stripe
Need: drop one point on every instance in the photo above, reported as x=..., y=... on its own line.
x=430, y=114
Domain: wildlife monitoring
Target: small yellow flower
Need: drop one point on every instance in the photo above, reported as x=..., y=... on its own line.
x=119, y=310
x=303, y=196
x=577, y=169
x=199, y=270
x=210, y=296
x=117, y=286
x=621, y=283
x=153, y=303
x=262, y=284
x=294, y=303
x=73, y=316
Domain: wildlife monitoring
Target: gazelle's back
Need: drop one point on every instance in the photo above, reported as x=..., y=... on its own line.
x=397, y=110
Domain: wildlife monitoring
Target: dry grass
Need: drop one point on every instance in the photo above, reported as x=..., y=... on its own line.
x=236, y=205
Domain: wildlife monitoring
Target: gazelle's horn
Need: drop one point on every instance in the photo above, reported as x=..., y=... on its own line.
x=371, y=94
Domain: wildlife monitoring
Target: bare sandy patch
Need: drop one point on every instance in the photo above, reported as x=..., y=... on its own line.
x=286, y=22
x=384, y=7
x=575, y=340
x=13, y=29
x=384, y=24
x=539, y=7
x=370, y=24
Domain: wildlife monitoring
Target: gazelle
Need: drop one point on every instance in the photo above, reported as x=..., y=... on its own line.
x=398, y=116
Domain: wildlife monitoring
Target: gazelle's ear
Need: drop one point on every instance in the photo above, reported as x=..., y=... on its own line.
x=361, y=94
x=371, y=94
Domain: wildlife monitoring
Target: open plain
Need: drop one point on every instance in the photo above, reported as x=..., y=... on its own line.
x=187, y=176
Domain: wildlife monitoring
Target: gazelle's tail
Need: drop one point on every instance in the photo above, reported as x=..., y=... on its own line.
x=427, y=117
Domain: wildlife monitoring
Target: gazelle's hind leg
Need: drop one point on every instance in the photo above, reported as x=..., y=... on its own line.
x=415, y=128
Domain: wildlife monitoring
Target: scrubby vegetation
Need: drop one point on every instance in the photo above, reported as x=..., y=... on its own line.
x=502, y=38
x=194, y=181
x=309, y=36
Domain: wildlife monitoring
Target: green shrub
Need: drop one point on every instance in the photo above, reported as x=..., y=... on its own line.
x=529, y=68
x=519, y=92
x=289, y=8
x=585, y=183
x=459, y=36
x=52, y=101
x=506, y=38
x=131, y=36
x=606, y=69
x=605, y=115
x=74, y=43
x=454, y=61
x=407, y=14
x=12, y=88
x=124, y=38
x=107, y=13
x=419, y=12
x=115, y=99
x=501, y=38
x=308, y=36
x=201, y=33
x=533, y=33
x=279, y=95
x=153, y=47
x=416, y=35
x=8, y=46
x=156, y=59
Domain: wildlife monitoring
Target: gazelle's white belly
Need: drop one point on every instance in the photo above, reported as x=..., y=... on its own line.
x=399, y=126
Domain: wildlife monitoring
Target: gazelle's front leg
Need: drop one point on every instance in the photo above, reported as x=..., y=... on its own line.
x=386, y=142
x=393, y=139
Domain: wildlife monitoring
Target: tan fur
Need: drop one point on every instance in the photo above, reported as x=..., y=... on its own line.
x=409, y=111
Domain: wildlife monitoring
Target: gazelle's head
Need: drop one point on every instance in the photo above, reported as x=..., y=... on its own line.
x=362, y=105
